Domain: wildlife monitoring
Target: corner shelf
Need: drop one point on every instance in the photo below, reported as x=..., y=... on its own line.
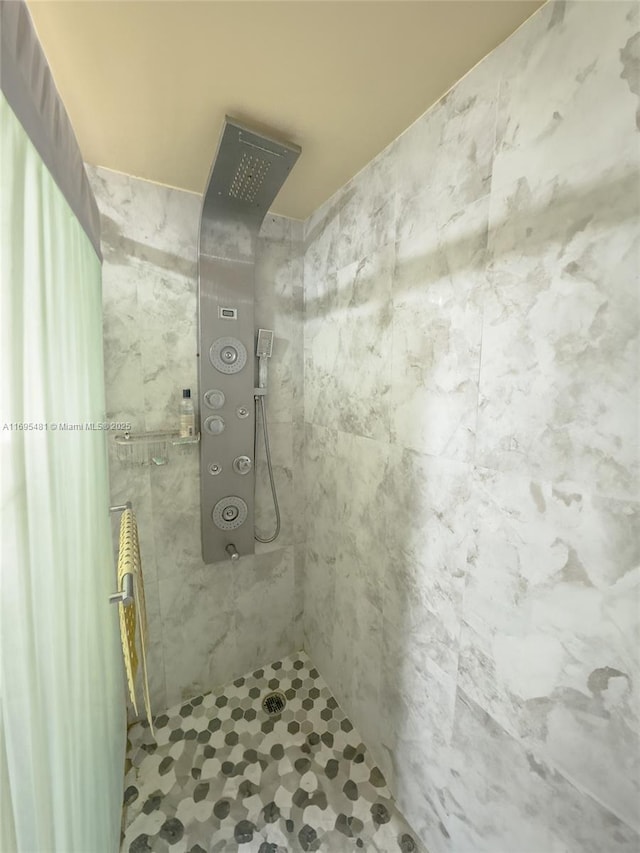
x=149, y=448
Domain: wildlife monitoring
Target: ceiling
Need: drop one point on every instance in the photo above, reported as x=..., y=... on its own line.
x=147, y=84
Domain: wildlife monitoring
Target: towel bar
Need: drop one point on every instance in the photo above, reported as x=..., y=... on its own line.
x=125, y=595
x=132, y=614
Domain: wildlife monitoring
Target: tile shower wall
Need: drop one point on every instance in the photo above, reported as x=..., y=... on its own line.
x=207, y=624
x=471, y=462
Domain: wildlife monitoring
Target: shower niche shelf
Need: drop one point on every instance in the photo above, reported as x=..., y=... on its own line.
x=150, y=448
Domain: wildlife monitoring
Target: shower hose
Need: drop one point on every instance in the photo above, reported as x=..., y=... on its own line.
x=265, y=432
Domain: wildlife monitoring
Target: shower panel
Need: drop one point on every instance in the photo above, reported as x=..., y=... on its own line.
x=247, y=173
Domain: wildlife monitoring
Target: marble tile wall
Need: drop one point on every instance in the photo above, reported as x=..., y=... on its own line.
x=471, y=447
x=208, y=624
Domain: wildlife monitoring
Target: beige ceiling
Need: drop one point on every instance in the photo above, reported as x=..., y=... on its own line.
x=147, y=84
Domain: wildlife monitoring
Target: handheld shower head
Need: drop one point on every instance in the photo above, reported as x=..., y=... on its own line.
x=264, y=345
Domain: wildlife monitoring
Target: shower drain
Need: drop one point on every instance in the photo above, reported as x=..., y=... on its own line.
x=274, y=703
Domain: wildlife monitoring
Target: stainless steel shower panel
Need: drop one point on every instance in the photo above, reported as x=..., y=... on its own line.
x=247, y=173
x=225, y=283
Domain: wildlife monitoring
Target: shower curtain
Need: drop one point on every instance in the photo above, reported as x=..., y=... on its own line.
x=62, y=717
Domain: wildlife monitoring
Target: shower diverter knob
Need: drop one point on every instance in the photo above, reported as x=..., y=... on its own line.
x=214, y=424
x=242, y=464
x=214, y=398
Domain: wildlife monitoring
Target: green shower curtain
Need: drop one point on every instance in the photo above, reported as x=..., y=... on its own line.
x=61, y=690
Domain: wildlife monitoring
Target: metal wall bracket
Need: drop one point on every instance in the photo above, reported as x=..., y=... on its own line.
x=125, y=595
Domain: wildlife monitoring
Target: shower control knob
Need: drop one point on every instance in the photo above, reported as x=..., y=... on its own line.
x=215, y=469
x=242, y=464
x=214, y=425
x=214, y=399
x=242, y=412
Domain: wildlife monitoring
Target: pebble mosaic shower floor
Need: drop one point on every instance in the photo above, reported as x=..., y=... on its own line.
x=222, y=775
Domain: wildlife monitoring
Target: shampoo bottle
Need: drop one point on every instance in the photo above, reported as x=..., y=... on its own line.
x=187, y=415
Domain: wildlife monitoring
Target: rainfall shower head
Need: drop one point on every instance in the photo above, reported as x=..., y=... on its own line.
x=247, y=173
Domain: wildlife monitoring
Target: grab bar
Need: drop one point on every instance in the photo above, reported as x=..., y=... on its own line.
x=125, y=595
